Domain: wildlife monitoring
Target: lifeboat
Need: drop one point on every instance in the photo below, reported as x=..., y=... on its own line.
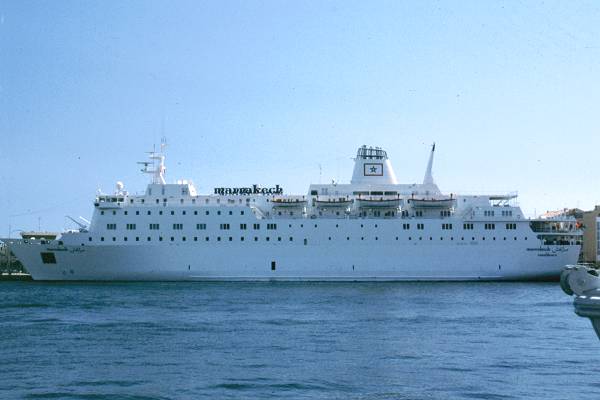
x=340, y=202
x=433, y=202
x=288, y=202
x=378, y=202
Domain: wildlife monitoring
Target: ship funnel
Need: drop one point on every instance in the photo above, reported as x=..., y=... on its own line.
x=372, y=167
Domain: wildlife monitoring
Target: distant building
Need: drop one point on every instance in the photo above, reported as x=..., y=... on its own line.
x=591, y=235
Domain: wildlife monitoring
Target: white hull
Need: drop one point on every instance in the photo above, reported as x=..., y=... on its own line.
x=356, y=262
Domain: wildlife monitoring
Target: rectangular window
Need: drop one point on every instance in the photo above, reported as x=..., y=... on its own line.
x=420, y=226
x=271, y=226
x=177, y=227
x=256, y=226
x=243, y=226
x=201, y=226
x=272, y=265
x=468, y=227
x=130, y=227
x=111, y=227
x=224, y=227
x=154, y=227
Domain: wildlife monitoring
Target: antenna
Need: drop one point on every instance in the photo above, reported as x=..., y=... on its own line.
x=157, y=171
x=320, y=173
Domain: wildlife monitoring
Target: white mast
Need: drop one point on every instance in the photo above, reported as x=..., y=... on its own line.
x=157, y=171
x=428, y=179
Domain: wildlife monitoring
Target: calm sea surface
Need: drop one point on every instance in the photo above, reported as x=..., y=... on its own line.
x=294, y=340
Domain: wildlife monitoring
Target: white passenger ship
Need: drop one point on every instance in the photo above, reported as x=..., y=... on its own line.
x=368, y=230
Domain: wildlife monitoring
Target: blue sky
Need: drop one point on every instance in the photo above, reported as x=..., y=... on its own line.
x=265, y=91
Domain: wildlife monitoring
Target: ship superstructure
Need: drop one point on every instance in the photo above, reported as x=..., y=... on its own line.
x=372, y=228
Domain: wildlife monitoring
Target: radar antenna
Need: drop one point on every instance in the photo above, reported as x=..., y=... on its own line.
x=156, y=167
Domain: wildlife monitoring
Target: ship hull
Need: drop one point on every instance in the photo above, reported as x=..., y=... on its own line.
x=469, y=261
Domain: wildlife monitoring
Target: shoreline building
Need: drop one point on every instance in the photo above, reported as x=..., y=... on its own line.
x=591, y=235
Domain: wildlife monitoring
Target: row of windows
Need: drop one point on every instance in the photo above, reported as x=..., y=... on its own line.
x=195, y=239
x=279, y=239
x=181, y=201
x=466, y=226
x=160, y=212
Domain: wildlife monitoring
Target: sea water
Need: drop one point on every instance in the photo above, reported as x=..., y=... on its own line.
x=294, y=340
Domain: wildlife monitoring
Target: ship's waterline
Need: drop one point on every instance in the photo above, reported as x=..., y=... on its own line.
x=370, y=229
